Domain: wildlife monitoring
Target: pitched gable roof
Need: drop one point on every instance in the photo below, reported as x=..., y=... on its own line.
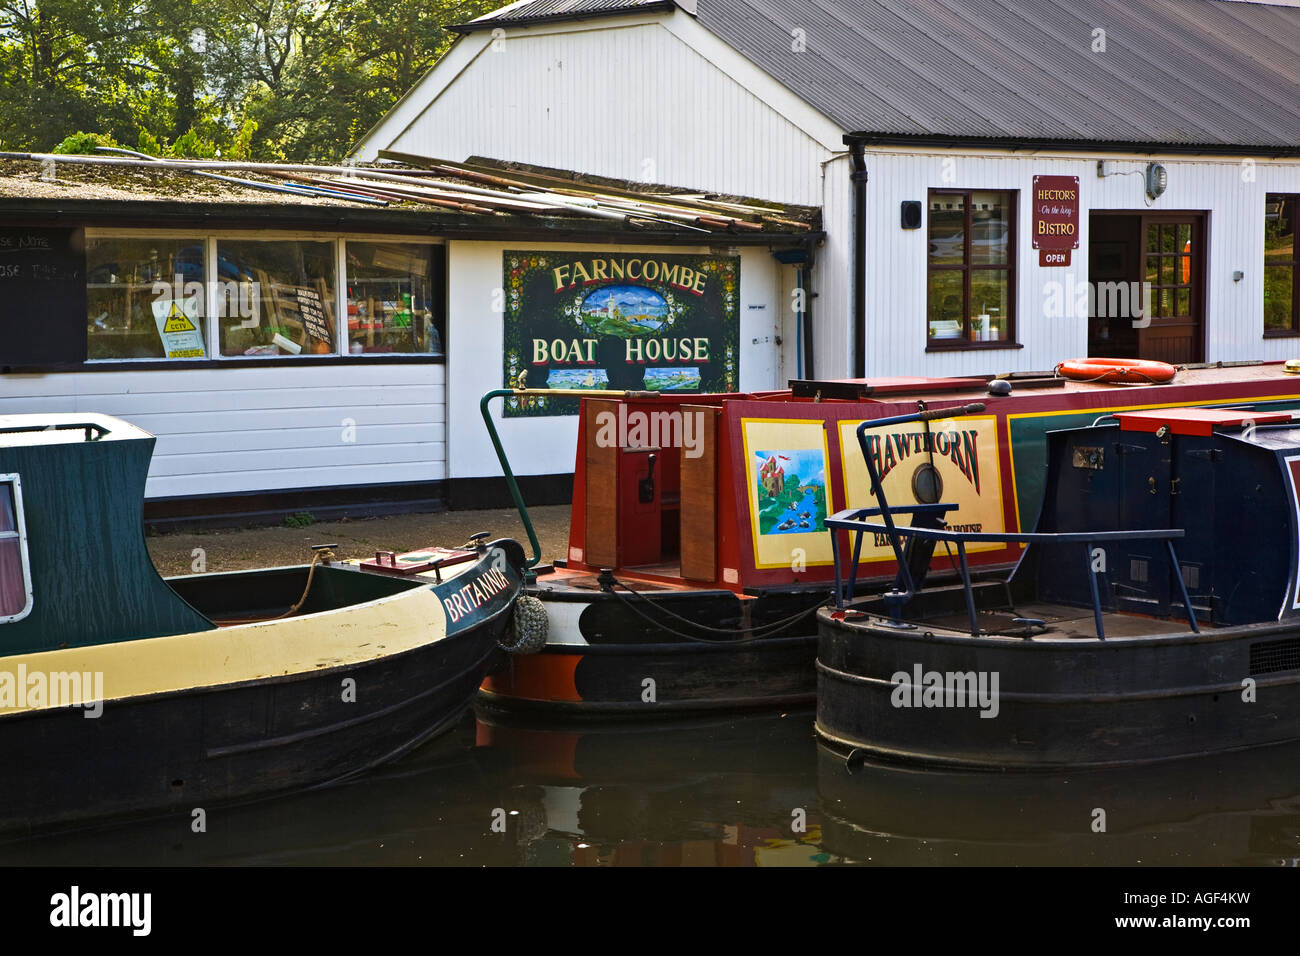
x=1213, y=73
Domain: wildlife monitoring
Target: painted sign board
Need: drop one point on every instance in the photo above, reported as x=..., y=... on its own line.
x=641, y=321
x=318, y=325
x=42, y=297
x=1055, y=218
x=954, y=460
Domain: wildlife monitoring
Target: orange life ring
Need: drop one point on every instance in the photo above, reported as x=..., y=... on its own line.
x=1119, y=371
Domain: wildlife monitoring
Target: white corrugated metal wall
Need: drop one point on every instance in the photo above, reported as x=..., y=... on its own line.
x=1231, y=190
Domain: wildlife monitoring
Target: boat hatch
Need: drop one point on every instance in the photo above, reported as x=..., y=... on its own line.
x=1196, y=421
x=412, y=563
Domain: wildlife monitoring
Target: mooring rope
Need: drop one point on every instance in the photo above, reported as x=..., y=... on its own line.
x=759, y=631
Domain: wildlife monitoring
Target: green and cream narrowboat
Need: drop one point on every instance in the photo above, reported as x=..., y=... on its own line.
x=122, y=692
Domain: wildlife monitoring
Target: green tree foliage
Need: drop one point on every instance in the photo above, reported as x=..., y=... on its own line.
x=260, y=79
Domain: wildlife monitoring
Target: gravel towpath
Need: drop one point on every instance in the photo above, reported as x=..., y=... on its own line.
x=265, y=547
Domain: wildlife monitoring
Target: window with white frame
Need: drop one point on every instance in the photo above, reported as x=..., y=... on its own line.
x=291, y=309
x=142, y=294
x=15, y=571
x=172, y=296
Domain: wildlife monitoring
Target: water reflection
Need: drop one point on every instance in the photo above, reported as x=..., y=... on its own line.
x=735, y=791
x=716, y=792
x=1236, y=809
x=741, y=790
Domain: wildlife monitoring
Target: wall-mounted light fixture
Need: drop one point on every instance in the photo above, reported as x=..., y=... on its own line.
x=1157, y=180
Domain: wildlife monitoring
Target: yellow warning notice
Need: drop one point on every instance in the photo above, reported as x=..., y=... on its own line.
x=178, y=327
x=178, y=321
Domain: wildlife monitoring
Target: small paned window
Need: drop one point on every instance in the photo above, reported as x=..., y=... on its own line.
x=15, y=570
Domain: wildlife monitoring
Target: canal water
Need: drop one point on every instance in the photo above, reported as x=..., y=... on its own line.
x=742, y=790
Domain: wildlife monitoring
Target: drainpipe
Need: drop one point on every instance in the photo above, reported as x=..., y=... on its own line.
x=858, y=176
x=805, y=283
x=803, y=257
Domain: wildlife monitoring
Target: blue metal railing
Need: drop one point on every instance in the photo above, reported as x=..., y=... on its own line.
x=854, y=521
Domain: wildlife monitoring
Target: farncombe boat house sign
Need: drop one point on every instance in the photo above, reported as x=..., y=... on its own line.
x=652, y=321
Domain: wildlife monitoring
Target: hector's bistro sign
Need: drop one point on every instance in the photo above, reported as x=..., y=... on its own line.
x=641, y=321
x=1056, y=218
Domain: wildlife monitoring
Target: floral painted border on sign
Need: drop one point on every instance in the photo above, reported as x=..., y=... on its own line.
x=640, y=321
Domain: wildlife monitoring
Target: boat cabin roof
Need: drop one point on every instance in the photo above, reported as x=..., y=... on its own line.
x=21, y=431
x=972, y=387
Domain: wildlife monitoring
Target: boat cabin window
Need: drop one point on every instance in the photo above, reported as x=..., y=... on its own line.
x=15, y=571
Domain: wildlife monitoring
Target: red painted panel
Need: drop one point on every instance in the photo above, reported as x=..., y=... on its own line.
x=1196, y=421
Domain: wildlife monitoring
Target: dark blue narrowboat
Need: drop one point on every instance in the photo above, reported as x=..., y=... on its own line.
x=122, y=692
x=1154, y=613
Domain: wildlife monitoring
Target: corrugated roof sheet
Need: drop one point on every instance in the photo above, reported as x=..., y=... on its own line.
x=1187, y=72
x=480, y=190
x=528, y=12
x=1174, y=72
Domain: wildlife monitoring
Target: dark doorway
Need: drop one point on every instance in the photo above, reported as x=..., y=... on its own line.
x=1135, y=255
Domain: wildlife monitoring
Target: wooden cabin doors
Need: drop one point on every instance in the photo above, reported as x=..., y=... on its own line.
x=1173, y=266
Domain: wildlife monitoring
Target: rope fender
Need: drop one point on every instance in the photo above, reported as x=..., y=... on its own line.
x=526, y=632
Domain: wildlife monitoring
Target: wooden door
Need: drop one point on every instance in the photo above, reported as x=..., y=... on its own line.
x=1173, y=265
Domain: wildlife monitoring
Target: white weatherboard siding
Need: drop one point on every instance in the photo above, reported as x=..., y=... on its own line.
x=896, y=258
x=231, y=430
x=660, y=98
x=547, y=445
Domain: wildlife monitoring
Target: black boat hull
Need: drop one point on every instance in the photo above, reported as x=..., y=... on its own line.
x=1059, y=703
x=261, y=707
x=199, y=748
x=640, y=655
x=647, y=679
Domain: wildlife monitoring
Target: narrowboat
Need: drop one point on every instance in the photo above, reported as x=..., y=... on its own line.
x=123, y=693
x=1153, y=615
x=698, y=552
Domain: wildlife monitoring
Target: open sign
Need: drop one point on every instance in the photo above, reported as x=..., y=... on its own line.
x=1053, y=257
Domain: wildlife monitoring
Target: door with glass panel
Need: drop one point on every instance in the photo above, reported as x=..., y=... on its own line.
x=1173, y=268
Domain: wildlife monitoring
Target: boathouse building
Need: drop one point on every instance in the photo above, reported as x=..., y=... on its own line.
x=318, y=340
x=927, y=187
